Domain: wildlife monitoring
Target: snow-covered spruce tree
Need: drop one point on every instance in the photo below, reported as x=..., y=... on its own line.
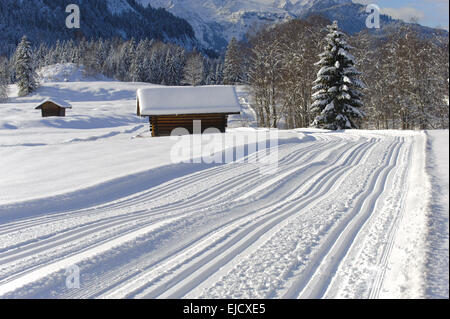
x=232, y=72
x=337, y=99
x=137, y=67
x=3, y=87
x=4, y=79
x=25, y=75
x=193, y=70
x=3, y=91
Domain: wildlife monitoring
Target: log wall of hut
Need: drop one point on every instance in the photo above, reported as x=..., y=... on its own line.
x=51, y=109
x=164, y=125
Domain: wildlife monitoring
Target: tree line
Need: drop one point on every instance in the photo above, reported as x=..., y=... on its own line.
x=404, y=74
x=145, y=60
x=400, y=79
x=44, y=21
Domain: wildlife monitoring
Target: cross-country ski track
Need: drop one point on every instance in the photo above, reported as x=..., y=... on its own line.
x=325, y=225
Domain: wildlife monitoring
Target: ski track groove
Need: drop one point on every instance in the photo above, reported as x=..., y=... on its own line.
x=390, y=218
x=111, y=220
x=378, y=281
x=133, y=200
x=261, y=227
x=215, y=231
x=252, y=297
x=313, y=283
x=338, y=177
x=208, y=256
x=132, y=217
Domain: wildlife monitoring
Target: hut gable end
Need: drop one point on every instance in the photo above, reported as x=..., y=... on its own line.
x=51, y=107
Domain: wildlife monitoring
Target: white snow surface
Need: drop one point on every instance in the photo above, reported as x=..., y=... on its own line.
x=67, y=72
x=437, y=274
x=347, y=214
x=166, y=100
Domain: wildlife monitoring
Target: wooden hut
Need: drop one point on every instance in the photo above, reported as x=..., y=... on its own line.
x=169, y=108
x=52, y=107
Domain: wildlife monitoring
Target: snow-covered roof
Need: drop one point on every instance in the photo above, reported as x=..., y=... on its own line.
x=62, y=103
x=178, y=100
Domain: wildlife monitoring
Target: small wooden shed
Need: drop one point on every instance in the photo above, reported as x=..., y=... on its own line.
x=169, y=108
x=52, y=107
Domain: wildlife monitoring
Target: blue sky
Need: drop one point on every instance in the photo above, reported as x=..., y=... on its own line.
x=432, y=13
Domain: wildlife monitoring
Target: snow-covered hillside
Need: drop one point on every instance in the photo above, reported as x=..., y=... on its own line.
x=100, y=110
x=344, y=215
x=67, y=72
x=215, y=22
x=44, y=22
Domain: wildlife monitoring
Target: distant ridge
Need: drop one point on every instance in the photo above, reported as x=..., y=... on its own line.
x=215, y=22
x=44, y=21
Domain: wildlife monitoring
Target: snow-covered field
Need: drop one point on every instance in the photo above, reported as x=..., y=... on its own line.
x=355, y=214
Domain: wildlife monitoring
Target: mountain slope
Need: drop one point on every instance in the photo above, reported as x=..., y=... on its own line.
x=44, y=21
x=206, y=23
x=215, y=22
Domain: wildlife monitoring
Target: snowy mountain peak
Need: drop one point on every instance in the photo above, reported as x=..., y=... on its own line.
x=215, y=22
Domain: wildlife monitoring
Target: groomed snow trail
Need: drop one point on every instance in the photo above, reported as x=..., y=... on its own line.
x=323, y=226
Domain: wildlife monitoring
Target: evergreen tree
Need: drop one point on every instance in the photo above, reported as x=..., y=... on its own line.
x=125, y=58
x=193, y=71
x=40, y=57
x=211, y=74
x=219, y=73
x=25, y=75
x=170, y=71
x=156, y=65
x=180, y=62
x=232, y=72
x=137, y=71
x=3, y=90
x=3, y=80
x=100, y=56
x=337, y=99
